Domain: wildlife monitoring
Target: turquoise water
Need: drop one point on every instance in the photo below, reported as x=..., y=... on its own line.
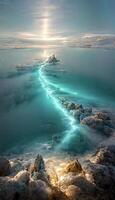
x=28, y=115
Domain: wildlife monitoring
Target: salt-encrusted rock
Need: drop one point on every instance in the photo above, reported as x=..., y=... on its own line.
x=71, y=106
x=79, y=181
x=66, y=180
x=79, y=107
x=99, y=122
x=73, y=192
x=101, y=175
x=57, y=194
x=73, y=166
x=5, y=167
x=38, y=165
x=108, y=131
x=93, y=122
x=88, y=110
x=11, y=189
x=38, y=190
x=22, y=177
x=16, y=166
x=40, y=176
x=104, y=156
x=102, y=115
x=37, y=170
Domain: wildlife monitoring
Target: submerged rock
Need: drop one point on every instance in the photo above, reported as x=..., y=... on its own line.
x=55, y=140
x=5, y=167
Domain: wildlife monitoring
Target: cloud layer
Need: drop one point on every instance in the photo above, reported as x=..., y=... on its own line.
x=32, y=40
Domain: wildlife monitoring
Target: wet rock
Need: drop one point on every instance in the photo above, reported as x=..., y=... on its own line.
x=5, y=167
x=104, y=155
x=74, y=166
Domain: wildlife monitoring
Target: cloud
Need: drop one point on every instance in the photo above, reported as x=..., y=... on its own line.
x=35, y=40
x=92, y=40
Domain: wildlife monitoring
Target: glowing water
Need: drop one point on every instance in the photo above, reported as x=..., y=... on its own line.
x=50, y=89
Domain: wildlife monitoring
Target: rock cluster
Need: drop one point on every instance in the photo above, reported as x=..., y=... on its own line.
x=99, y=121
x=96, y=181
x=100, y=171
x=93, y=180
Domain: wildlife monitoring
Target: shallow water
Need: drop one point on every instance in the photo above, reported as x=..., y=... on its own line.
x=27, y=116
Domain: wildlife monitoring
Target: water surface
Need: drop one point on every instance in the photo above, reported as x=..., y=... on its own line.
x=27, y=115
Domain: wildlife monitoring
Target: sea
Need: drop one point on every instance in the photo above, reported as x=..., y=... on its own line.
x=29, y=116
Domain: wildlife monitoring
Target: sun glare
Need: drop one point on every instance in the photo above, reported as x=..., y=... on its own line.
x=45, y=28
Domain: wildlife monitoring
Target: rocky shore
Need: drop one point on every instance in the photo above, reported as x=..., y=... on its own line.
x=41, y=178
x=99, y=121
x=50, y=179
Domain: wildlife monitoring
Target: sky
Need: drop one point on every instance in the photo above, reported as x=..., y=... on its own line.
x=55, y=21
